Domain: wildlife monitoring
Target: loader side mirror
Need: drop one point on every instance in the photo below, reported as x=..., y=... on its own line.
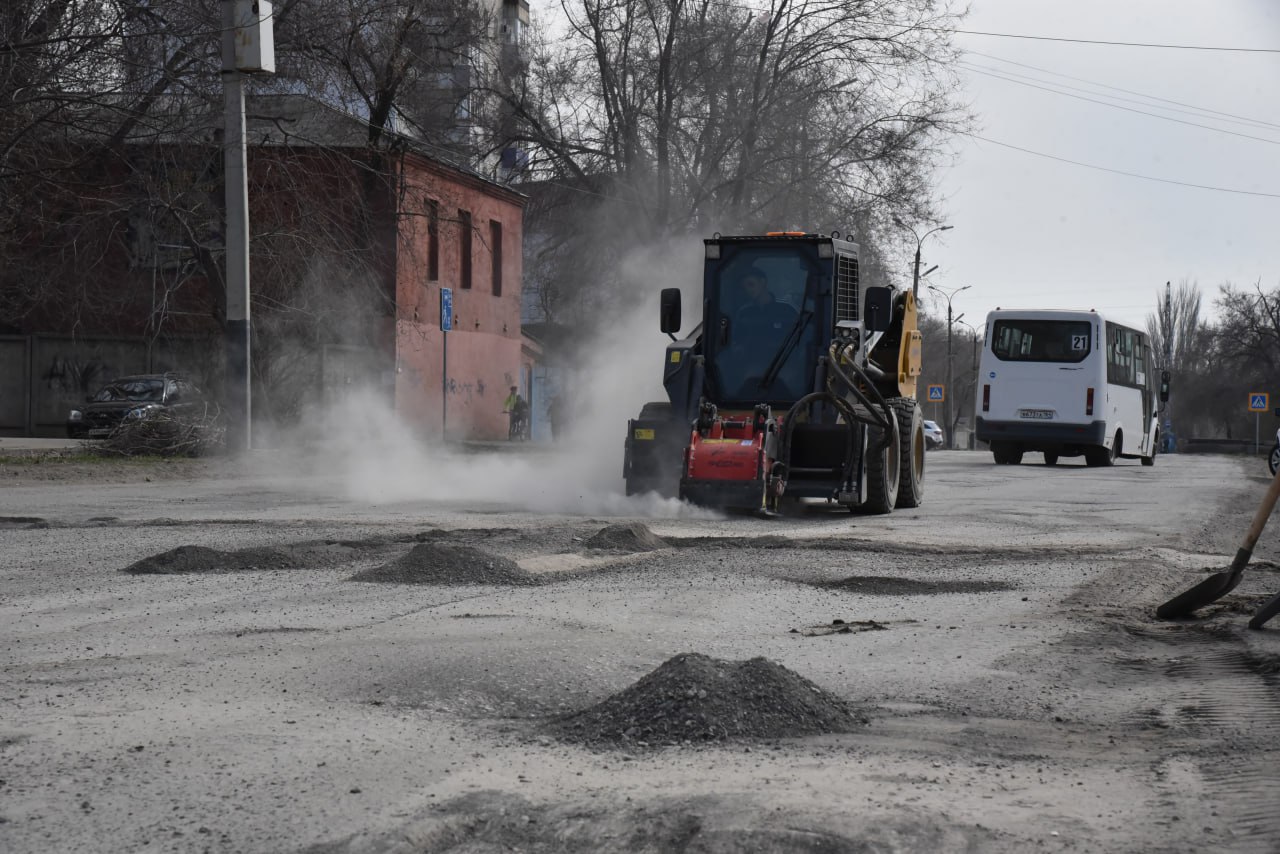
x=877, y=309
x=670, y=313
x=1164, y=386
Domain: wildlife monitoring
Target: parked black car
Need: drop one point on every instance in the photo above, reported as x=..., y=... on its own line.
x=134, y=397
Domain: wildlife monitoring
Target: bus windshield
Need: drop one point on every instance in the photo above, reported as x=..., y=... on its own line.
x=1014, y=340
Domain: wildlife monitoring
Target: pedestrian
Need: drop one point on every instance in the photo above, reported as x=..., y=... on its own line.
x=555, y=414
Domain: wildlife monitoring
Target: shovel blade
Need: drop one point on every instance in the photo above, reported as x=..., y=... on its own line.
x=1206, y=592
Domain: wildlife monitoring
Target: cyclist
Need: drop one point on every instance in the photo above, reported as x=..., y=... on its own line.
x=517, y=409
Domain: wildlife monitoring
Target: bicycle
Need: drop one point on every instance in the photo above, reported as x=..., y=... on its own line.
x=519, y=429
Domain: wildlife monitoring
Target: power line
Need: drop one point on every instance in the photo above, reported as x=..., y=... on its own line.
x=1028, y=80
x=998, y=76
x=1109, y=43
x=1242, y=119
x=1122, y=172
x=818, y=16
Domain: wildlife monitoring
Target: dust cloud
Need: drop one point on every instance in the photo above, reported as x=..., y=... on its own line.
x=378, y=458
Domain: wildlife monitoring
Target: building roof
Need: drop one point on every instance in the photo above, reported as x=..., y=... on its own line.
x=287, y=120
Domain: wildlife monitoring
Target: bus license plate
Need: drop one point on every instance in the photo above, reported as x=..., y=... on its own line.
x=1036, y=413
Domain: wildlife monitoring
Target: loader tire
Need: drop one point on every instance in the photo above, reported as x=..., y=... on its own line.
x=882, y=471
x=911, y=447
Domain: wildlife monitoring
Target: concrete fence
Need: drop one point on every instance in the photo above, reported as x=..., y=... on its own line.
x=43, y=377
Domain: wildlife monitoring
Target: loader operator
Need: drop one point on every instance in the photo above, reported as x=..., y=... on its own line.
x=761, y=310
x=758, y=327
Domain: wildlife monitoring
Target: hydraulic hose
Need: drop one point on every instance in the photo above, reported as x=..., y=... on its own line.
x=874, y=408
x=788, y=427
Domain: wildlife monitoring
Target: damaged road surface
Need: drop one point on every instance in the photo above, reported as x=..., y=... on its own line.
x=235, y=662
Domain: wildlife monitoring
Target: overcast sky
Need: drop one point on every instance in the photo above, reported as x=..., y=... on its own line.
x=1034, y=232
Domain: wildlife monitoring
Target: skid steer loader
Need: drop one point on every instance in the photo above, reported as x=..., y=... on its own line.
x=798, y=382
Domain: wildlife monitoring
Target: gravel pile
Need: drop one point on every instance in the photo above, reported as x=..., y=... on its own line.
x=629, y=537
x=200, y=559
x=438, y=563
x=697, y=699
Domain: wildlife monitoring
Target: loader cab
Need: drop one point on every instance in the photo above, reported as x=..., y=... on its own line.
x=770, y=311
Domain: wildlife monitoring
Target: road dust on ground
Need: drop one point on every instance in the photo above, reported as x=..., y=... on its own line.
x=208, y=656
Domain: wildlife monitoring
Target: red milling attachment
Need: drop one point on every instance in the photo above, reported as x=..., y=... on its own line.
x=732, y=449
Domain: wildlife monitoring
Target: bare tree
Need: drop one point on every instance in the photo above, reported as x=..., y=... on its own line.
x=678, y=116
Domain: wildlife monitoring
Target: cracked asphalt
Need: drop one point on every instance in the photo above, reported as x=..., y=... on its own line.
x=1016, y=690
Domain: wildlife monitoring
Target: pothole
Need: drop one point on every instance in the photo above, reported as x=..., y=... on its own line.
x=21, y=522
x=885, y=585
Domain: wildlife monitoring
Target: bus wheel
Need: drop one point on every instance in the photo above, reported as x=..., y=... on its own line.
x=1006, y=453
x=1050, y=459
x=1155, y=445
x=1100, y=456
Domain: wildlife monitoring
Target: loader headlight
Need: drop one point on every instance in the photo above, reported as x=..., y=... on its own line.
x=76, y=415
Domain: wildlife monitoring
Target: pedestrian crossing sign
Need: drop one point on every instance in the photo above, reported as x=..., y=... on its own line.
x=937, y=394
x=1259, y=401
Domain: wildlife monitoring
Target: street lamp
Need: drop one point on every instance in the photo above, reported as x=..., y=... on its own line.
x=951, y=441
x=915, y=278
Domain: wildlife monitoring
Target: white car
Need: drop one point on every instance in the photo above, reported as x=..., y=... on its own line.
x=932, y=435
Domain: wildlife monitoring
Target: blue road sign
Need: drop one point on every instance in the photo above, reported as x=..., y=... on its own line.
x=1259, y=401
x=937, y=393
x=446, y=309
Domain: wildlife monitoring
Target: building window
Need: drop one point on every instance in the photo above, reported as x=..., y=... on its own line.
x=495, y=240
x=464, y=249
x=433, y=240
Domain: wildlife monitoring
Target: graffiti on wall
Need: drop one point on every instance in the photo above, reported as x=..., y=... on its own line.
x=65, y=372
x=73, y=376
x=467, y=390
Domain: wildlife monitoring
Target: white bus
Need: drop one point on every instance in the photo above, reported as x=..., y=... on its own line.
x=1066, y=384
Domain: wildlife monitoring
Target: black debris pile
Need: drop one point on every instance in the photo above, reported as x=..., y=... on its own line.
x=186, y=560
x=842, y=627
x=627, y=537
x=446, y=565
x=885, y=585
x=695, y=699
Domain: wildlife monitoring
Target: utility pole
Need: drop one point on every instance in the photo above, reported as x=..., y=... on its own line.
x=951, y=425
x=247, y=46
x=1167, y=433
x=973, y=330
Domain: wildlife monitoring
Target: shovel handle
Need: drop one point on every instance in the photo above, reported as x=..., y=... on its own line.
x=1264, y=513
